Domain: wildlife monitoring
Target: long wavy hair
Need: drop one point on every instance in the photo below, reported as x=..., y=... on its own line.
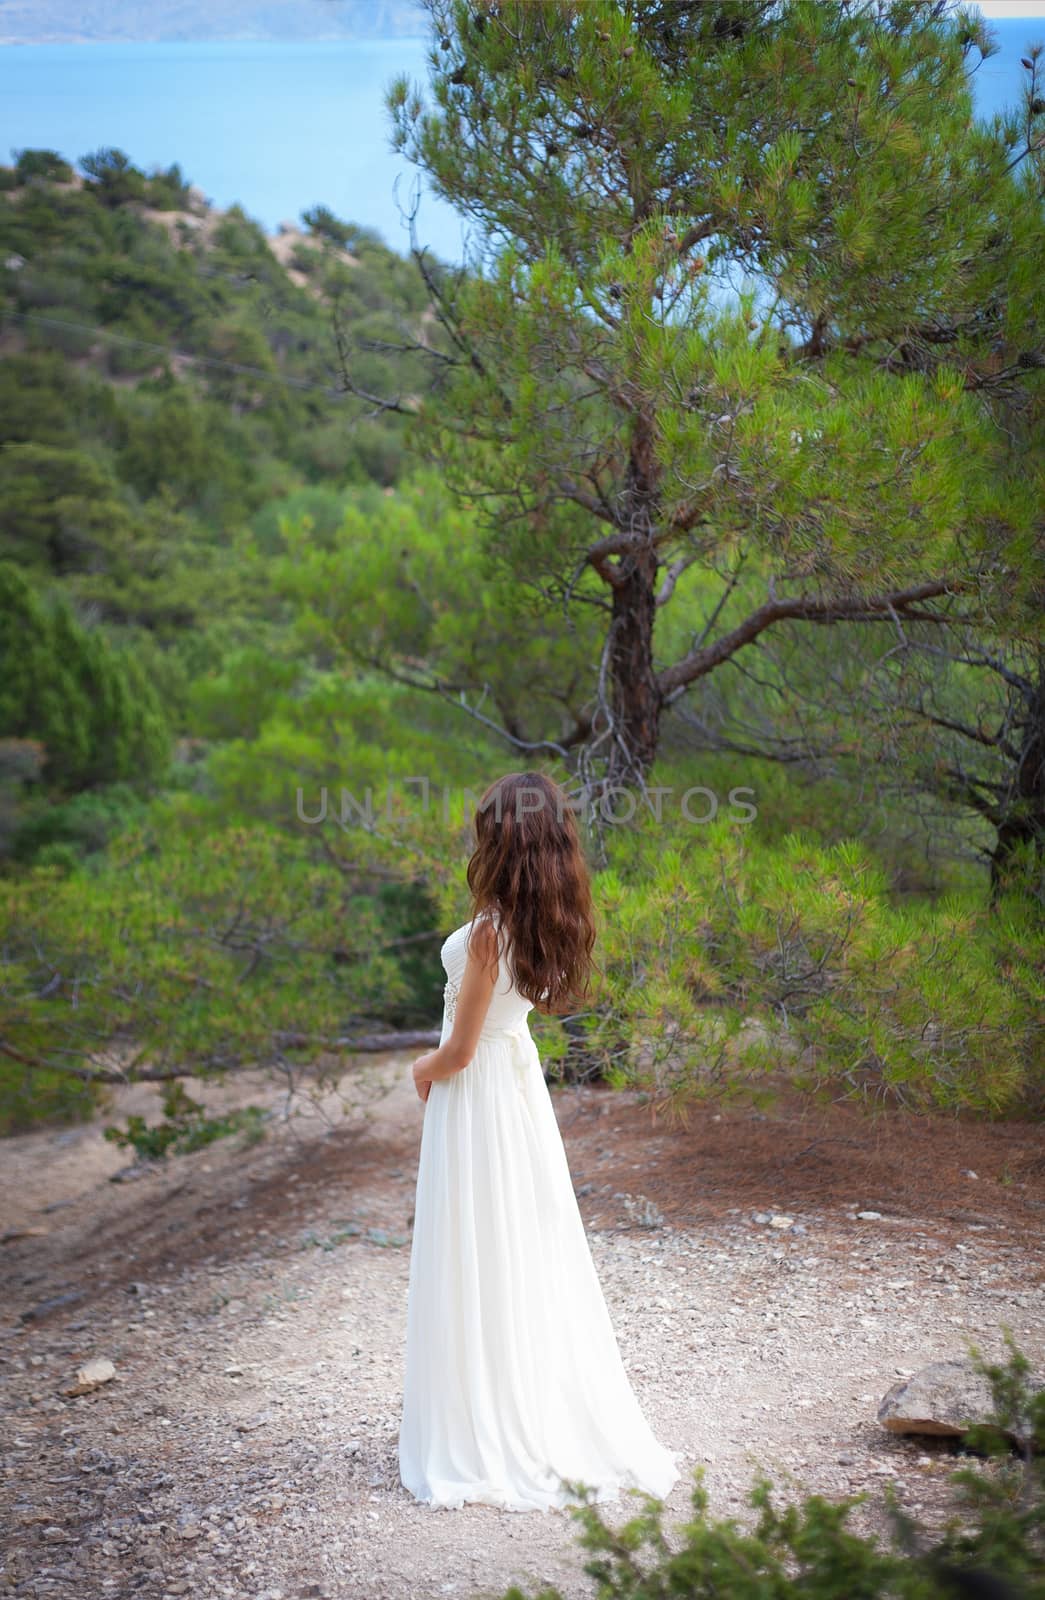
x=529, y=866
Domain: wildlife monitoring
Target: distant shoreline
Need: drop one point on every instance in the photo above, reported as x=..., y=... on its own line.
x=10, y=43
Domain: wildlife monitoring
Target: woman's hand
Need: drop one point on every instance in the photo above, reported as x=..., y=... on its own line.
x=422, y=1083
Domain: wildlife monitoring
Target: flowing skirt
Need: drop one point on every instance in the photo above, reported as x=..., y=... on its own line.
x=514, y=1386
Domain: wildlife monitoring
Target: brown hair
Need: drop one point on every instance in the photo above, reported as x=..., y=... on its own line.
x=529, y=866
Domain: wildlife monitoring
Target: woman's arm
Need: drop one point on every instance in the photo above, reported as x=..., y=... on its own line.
x=473, y=1002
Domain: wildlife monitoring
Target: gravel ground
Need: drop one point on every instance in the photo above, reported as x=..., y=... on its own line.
x=253, y=1304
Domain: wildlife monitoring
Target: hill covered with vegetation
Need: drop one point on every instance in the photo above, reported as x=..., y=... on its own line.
x=171, y=377
x=170, y=396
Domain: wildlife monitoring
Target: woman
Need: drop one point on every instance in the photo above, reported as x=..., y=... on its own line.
x=514, y=1391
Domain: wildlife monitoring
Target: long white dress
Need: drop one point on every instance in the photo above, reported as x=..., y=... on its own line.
x=513, y=1385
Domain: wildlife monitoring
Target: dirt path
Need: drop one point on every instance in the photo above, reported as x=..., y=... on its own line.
x=253, y=1303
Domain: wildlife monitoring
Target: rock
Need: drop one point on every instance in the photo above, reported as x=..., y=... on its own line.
x=248, y=1425
x=137, y=1169
x=92, y=1376
x=869, y=1216
x=778, y=1221
x=944, y=1398
x=55, y=1303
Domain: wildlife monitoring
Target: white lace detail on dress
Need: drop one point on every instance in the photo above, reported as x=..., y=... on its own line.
x=450, y=993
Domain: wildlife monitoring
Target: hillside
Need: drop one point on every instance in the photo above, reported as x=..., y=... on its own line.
x=62, y=22
x=178, y=357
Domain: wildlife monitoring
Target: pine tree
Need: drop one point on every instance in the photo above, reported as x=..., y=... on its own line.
x=63, y=685
x=624, y=410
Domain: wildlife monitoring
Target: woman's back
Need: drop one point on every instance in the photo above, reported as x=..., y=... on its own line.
x=508, y=1008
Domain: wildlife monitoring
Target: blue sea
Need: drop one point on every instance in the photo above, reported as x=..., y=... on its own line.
x=280, y=127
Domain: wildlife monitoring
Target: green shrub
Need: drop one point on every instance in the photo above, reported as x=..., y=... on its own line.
x=131, y=347
x=75, y=828
x=89, y=705
x=44, y=164
x=30, y=1098
x=208, y=946
x=185, y=1127
x=64, y=330
x=113, y=178
x=325, y=225
x=994, y=1544
x=728, y=956
x=168, y=190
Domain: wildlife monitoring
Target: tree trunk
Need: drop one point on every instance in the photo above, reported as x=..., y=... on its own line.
x=635, y=697
x=1025, y=822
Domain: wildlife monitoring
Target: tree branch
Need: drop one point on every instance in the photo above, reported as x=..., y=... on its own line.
x=800, y=608
x=361, y=1044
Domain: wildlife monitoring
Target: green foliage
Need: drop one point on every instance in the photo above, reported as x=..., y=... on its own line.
x=268, y=574
x=994, y=1542
x=42, y=403
x=89, y=705
x=168, y=190
x=31, y=1098
x=113, y=177
x=183, y=448
x=185, y=1127
x=47, y=165
x=204, y=947
x=60, y=330
x=679, y=349
x=209, y=301
x=406, y=584
x=58, y=507
x=729, y=958
x=78, y=827
x=322, y=222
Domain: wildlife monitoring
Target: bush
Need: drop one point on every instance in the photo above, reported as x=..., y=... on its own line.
x=31, y=1099
x=729, y=956
x=90, y=706
x=49, y=835
x=185, y=1127
x=113, y=178
x=47, y=165
x=132, y=347
x=63, y=330
x=994, y=1546
x=322, y=222
x=169, y=190
x=210, y=949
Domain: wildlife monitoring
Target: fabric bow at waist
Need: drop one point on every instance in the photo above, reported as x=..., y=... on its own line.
x=521, y=1049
